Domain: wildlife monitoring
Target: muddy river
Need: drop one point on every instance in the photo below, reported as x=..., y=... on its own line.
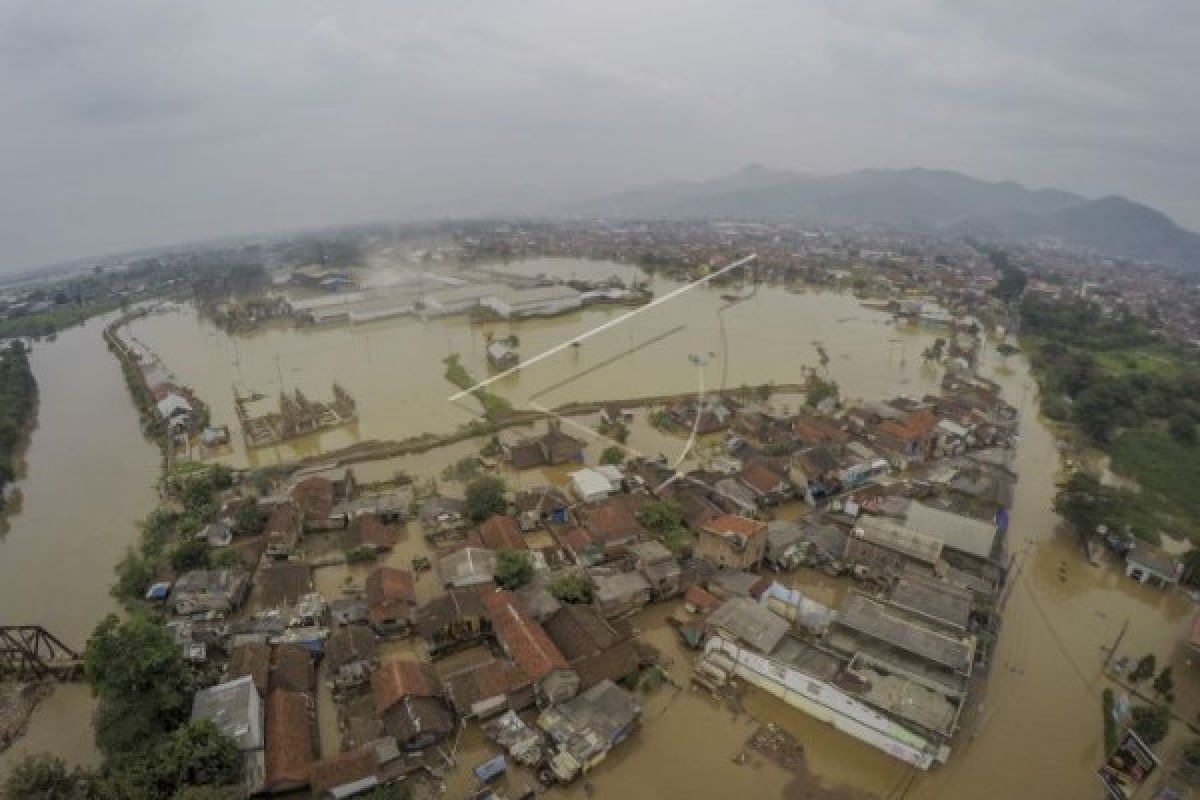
x=90, y=476
x=1040, y=728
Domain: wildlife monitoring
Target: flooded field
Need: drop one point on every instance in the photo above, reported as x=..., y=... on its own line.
x=78, y=516
x=395, y=372
x=1039, y=732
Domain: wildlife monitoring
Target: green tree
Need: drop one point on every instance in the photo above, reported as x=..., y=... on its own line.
x=820, y=390
x=189, y=555
x=485, y=497
x=143, y=684
x=1151, y=723
x=572, y=587
x=514, y=568
x=1182, y=429
x=194, y=755
x=42, y=776
x=1189, y=761
x=1143, y=669
x=661, y=516
x=1085, y=503
x=612, y=455
x=1164, y=684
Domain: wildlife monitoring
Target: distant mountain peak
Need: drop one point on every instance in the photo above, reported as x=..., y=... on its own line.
x=917, y=197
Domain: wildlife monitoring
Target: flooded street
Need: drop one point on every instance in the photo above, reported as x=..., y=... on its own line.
x=90, y=476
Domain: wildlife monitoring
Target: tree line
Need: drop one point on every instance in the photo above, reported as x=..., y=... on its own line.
x=18, y=404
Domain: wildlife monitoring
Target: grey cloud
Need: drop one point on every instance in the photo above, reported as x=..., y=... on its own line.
x=132, y=122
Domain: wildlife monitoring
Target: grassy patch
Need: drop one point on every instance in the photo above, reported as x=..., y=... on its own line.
x=494, y=406
x=1167, y=471
x=1148, y=360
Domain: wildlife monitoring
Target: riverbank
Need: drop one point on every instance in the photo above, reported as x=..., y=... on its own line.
x=79, y=513
x=18, y=413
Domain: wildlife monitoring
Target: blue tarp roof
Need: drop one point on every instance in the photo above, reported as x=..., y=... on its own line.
x=491, y=768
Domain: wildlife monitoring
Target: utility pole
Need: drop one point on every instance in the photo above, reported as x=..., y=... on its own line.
x=1112, y=651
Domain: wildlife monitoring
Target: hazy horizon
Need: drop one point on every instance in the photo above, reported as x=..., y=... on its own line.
x=133, y=124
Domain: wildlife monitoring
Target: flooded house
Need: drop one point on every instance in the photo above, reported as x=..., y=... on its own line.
x=452, y=621
x=290, y=742
x=526, y=644
x=370, y=532
x=351, y=655
x=219, y=590
x=894, y=711
x=253, y=660
x=551, y=449
x=391, y=598
x=345, y=775
x=596, y=648
x=315, y=499
x=499, y=532
x=283, y=530
x=282, y=585
x=585, y=729
x=658, y=566
x=594, y=484
x=407, y=697
x=732, y=542
x=785, y=546
x=443, y=514
x=770, y=486
x=886, y=547
x=237, y=711
x=619, y=594
x=501, y=355
x=484, y=687
x=613, y=522
x=1148, y=564
x=542, y=506
x=467, y=567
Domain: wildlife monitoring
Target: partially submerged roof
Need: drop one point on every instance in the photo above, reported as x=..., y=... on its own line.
x=972, y=536
x=932, y=598
x=235, y=709
x=748, y=622
x=289, y=742
x=350, y=644
x=398, y=679
x=901, y=539
x=469, y=566
x=523, y=639
x=877, y=621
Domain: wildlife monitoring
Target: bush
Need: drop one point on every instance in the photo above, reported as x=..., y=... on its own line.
x=572, y=587
x=1110, y=722
x=612, y=455
x=1150, y=723
x=485, y=497
x=514, y=569
x=190, y=555
x=361, y=555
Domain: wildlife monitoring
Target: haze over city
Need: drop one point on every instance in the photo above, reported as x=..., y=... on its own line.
x=134, y=124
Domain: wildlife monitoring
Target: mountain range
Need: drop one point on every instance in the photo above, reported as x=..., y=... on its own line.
x=930, y=200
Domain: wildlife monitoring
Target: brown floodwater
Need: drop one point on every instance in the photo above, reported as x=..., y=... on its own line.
x=1039, y=733
x=394, y=368
x=90, y=476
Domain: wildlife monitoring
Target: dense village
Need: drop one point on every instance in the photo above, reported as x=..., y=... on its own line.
x=517, y=611
x=849, y=558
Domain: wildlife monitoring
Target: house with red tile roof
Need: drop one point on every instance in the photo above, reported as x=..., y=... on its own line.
x=408, y=699
x=613, y=522
x=498, y=532
x=391, y=597
x=527, y=645
x=732, y=542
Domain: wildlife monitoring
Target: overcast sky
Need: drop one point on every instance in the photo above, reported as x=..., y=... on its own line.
x=129, y=124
